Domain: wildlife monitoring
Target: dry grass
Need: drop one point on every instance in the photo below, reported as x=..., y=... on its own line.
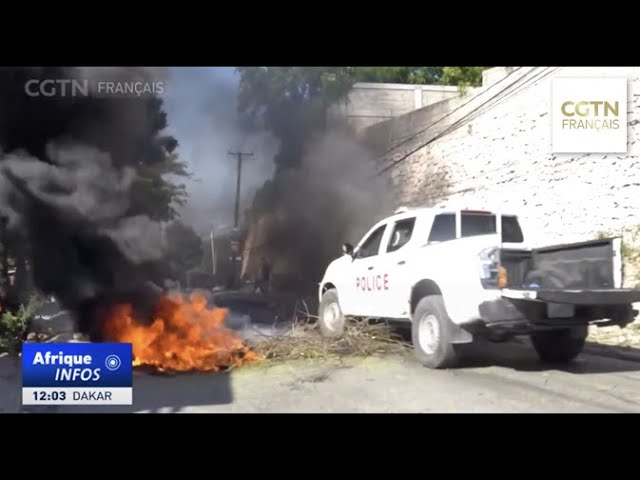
x=304, y=341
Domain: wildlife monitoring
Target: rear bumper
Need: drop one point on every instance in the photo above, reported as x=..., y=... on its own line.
x=501, y=310
x=588, y=306
x=617, y=296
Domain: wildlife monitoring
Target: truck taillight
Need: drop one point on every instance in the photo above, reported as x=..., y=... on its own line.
x=492, y=274
x=502, y=277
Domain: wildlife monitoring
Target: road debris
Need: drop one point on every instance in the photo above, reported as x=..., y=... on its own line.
x=304, y=341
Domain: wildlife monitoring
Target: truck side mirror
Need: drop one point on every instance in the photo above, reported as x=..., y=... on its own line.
x=347, y=249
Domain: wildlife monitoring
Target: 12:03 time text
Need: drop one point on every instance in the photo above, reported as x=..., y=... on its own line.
x=46, y=396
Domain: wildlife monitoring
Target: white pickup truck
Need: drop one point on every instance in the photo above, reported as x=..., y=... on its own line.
x=460, y=274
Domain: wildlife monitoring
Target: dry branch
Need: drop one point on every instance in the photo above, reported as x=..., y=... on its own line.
x=362, y=337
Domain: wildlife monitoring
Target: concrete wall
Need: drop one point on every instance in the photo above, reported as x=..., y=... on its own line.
x=493, y=75
x=371, y=103
x=496, y=153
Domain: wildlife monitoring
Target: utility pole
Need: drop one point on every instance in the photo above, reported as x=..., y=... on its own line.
x=213, y=253
x=239, y=156
x=236, y=217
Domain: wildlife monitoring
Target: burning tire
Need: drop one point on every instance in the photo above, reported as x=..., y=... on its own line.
x=330, y=318
x=559, y=346
x=430, y=334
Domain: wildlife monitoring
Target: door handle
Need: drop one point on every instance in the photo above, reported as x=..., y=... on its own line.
x=370, y=268
x=402, y=262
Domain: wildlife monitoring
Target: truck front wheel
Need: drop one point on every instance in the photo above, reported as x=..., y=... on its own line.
x=431, y=332
x=559, y=346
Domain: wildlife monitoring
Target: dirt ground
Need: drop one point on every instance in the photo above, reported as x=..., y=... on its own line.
x=492, y=378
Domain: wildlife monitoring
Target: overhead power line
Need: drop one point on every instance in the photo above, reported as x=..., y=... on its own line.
x=414, y=135
x=454, y=126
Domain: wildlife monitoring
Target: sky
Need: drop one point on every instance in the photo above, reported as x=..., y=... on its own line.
x=201, y=112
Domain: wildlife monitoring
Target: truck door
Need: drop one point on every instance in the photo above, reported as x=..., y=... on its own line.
x=394, y=264
x=363, y=273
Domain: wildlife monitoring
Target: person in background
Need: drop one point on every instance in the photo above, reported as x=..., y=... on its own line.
x=265, y=275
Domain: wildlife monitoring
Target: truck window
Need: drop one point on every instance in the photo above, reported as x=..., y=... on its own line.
x=401, y=234
x=474, y=224
x=511, y=231
x=371, y=245
x=443, y=228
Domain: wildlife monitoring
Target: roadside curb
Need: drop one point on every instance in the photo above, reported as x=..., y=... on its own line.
x=612, y=351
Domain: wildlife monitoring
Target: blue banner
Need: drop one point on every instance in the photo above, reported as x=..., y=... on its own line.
x=77, y=365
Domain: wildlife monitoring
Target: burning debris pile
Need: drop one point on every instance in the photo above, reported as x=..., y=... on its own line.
x=185, y=335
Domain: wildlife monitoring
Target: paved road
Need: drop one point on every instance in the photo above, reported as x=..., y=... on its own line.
x=493, y=378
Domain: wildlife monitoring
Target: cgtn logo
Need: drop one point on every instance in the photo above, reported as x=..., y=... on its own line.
x=589, y=115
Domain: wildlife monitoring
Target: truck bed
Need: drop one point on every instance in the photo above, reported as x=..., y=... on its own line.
x=592, y=265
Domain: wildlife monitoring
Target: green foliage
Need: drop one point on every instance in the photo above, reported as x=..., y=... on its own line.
x=463, y=77
x=184, y=246
x=263, y=87
x=153, y=195
x=155, y=192
x=291, y=103
x=14, y=325
x=413, y=75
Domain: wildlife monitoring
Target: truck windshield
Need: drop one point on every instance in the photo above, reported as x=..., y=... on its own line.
x=474, y=224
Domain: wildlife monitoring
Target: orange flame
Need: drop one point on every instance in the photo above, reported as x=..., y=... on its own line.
x=185, y=335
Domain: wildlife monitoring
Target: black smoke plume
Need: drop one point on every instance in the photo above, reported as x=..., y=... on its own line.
x=331, y=197
x=81, y=190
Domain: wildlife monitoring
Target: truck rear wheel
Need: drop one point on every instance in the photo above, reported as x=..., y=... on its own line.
x=559, y=346
x=330, y=317
x=431, y=334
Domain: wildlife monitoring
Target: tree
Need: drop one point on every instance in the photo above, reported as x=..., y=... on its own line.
x=463, y=77
x=184, y=247
x=458, y=76
x=291, y=103
x=184, y=250
x=415, y=75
